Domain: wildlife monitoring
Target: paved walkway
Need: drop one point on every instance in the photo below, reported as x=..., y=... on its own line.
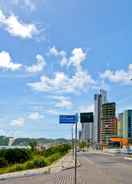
x=65, y=163
x=94, y=169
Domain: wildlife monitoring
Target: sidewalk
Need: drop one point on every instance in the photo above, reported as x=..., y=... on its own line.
x=64, y=163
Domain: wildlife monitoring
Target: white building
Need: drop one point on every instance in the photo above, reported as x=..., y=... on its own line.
x=99, y=99
x=11, y=141
x=87, y=131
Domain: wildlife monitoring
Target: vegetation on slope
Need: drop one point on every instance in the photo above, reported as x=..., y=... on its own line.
x=12, y=160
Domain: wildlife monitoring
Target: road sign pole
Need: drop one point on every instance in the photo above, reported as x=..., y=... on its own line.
x=76, y=153
x=72, y=143
x=71, y=119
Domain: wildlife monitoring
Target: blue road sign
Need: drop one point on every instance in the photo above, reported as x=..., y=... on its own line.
x=68, y=119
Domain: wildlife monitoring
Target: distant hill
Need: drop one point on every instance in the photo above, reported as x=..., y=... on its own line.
x=26, y=141
x=4, y=141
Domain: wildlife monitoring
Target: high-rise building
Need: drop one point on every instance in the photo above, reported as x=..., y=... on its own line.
x=127, y=124
x=11, y=141
x=120, y=125
x=99, y=99
x=114, y=126
x=103, y=94
x=109, y=123
x=87, y=130
x=80, y=135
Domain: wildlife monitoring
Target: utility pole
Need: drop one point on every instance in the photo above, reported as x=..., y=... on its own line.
x=76, y=153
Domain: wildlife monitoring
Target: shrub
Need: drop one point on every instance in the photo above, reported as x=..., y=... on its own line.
x=16, y=167
x=37, y=163
x=62, y=149
x=53, y=158
x=3, y=162
x=19, y=167
x=29, y=165
x=16, y=155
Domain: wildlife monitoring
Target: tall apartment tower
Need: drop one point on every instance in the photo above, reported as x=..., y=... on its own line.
x=120, y=125
x=127, y=124
x=109, y=122
x=99, y=100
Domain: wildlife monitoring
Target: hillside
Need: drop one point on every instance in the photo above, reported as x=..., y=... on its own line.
x=25, y=141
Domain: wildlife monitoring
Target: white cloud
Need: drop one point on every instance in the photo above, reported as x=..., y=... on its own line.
x=78, y=56
x=6, y=62
x=2, y=132
x=38, y=67
x=53, y=51
x=17, y=28
x=118, y=76
x=35, y=116
x=130, y=67
x=63, y=102
x=30, y=4
x=52, y=112
x=61, y=83
x=60, y=54
x=87, y=108
x=18, y=122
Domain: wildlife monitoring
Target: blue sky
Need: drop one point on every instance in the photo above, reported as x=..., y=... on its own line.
x=55, y=55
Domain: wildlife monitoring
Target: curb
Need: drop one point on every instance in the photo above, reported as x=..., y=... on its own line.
x=35, y=172
x=72, y=167
x=22, y=174
x=127, y=158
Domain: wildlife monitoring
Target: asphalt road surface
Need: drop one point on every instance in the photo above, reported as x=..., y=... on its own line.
x=95, y=169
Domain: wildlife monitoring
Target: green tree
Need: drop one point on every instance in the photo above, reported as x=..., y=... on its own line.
x=33, y=145
x=82, y=145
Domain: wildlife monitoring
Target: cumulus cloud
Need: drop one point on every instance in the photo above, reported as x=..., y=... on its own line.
x=62, y=83
x=17, y=28
x=60, y=54
x=78, y=56
x=30, y=4
x=38, y=67
x=35, y=116
x=87, y=108
x=6, y=62
x=53, y=112
x=62, y=102
x=118, y=76
x=18, y=122
x=9, y=5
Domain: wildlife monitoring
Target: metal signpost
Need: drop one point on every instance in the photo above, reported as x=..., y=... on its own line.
x=72, y=142
x=71, y=119
x=87, y=118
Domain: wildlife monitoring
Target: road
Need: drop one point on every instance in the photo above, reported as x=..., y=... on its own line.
x=95, y=169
